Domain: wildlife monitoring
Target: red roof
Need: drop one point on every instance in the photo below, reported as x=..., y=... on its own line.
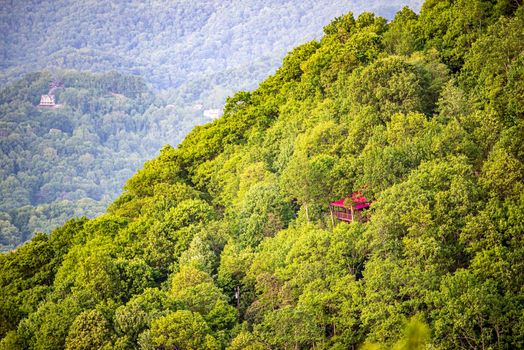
x=360, y=201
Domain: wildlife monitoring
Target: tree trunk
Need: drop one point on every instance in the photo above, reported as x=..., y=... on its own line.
x=307, y=212
x=237, y=297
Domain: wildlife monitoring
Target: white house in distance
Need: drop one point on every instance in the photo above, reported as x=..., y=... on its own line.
x=47, y=101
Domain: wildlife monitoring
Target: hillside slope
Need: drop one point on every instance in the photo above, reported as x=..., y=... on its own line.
x=73, y=160
x=191, y=55
x=226, y=241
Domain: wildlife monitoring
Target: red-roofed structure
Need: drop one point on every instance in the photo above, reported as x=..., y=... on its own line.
x=351, y=208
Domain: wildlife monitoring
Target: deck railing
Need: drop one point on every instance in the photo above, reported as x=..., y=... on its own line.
x=343, y=216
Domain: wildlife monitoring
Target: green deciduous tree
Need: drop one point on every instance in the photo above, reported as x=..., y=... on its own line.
x=182, y=330
x=89, y=330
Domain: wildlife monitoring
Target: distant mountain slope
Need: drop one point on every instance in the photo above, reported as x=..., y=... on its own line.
x=232, y=44
x=73, y=160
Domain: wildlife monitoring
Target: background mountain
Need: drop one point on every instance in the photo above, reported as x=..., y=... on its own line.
x=204, y=49
x=190, y=55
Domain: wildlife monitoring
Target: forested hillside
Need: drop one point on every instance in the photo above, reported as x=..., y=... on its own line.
x=72, y=160
x=226, y=242
x=191, y=56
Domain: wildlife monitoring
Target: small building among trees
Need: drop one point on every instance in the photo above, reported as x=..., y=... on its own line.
x=352, y=208
x=47, y=101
